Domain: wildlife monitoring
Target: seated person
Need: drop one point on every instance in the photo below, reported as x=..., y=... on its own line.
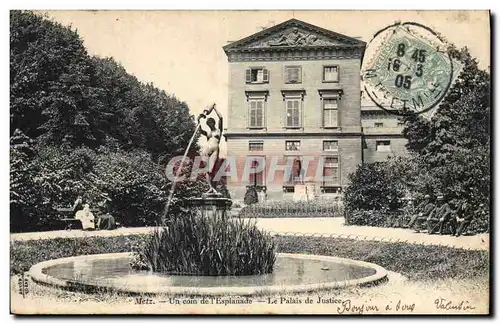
x=106, y=222
x=424, y=211
x=441, y=216
x=86, y=217
x=463, y=218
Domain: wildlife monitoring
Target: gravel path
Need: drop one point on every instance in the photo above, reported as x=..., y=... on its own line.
x=303, y=226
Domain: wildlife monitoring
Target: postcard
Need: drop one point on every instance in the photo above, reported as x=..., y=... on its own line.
x=250, y=162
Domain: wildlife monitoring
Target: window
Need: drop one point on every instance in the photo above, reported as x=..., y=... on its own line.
x=256, y=179
x=331, y=170
x=256, y=113
x=293, y=74
x=288, y=189
x=292, y=145
x=330, y=113
x=401, y=124
x=293, y=112
x=330, y=145
x=383, y=146
x=379, y=125
x=257, y=75
x=331, y=73
x=256, y=146
x=331, y=190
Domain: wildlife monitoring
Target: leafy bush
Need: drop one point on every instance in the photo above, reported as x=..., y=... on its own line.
x=129, y=182
x=134, y=185
x=280, y=209
x=64, y=175
x=251, y=196
x=481, y=222
x=379, y=218
x=371, y=186
x=195, y=245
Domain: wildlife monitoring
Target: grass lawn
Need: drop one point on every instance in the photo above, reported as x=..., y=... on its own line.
x=433, y=272
x=417, y=262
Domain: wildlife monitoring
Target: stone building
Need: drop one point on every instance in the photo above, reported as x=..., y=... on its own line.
x=295, y=100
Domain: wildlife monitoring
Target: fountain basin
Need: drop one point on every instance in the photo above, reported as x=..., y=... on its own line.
x=292, y=273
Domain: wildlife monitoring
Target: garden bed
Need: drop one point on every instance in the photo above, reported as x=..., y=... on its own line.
x=417, y=262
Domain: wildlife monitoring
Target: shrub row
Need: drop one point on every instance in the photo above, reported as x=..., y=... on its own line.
x=400, y=219
x=280, y=209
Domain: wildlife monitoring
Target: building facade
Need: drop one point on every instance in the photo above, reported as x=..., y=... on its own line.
x=296, y=126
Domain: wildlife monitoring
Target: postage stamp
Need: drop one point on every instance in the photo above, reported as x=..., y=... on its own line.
x=409, y=73
x=250, y=162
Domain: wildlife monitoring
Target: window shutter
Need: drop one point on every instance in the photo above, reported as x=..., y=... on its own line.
x=265, y=77
x=336, y=73
x=252, y=119
x=334, y=118
x=260, y=114
x=248, y=76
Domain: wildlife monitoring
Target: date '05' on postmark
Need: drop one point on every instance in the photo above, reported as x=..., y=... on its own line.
x=409, y=70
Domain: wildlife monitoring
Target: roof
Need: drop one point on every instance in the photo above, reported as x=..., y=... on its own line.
x=321, y=37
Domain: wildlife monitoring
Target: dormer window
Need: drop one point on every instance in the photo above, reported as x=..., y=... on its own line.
x=257, y=75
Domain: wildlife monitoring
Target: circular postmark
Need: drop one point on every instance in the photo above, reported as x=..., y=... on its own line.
x=407, y=69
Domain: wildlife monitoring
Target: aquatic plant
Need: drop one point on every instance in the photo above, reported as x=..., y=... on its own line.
x=212, y=246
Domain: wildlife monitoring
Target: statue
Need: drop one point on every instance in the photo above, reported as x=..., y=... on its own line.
x=292, y=39
x=213, y=135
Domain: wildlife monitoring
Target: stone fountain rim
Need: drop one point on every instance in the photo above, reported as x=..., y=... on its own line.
x=37, y=275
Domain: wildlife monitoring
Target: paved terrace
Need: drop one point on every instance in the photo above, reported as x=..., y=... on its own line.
x=306, y=227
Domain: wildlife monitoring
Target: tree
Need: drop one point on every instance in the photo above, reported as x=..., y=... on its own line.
x=141, y=115
x=463, y=118
x=72, y=114
x=25, y=199
x=99, y=131
x=50, y=81
x=454, y=146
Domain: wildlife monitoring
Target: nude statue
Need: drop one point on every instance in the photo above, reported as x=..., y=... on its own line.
x=213, y=135
x=290, y=39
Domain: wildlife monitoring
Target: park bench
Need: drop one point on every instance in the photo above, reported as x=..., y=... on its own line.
x=68, y=219
x=69, y=222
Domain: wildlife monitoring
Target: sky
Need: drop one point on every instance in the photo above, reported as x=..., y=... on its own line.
x=181, y=51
